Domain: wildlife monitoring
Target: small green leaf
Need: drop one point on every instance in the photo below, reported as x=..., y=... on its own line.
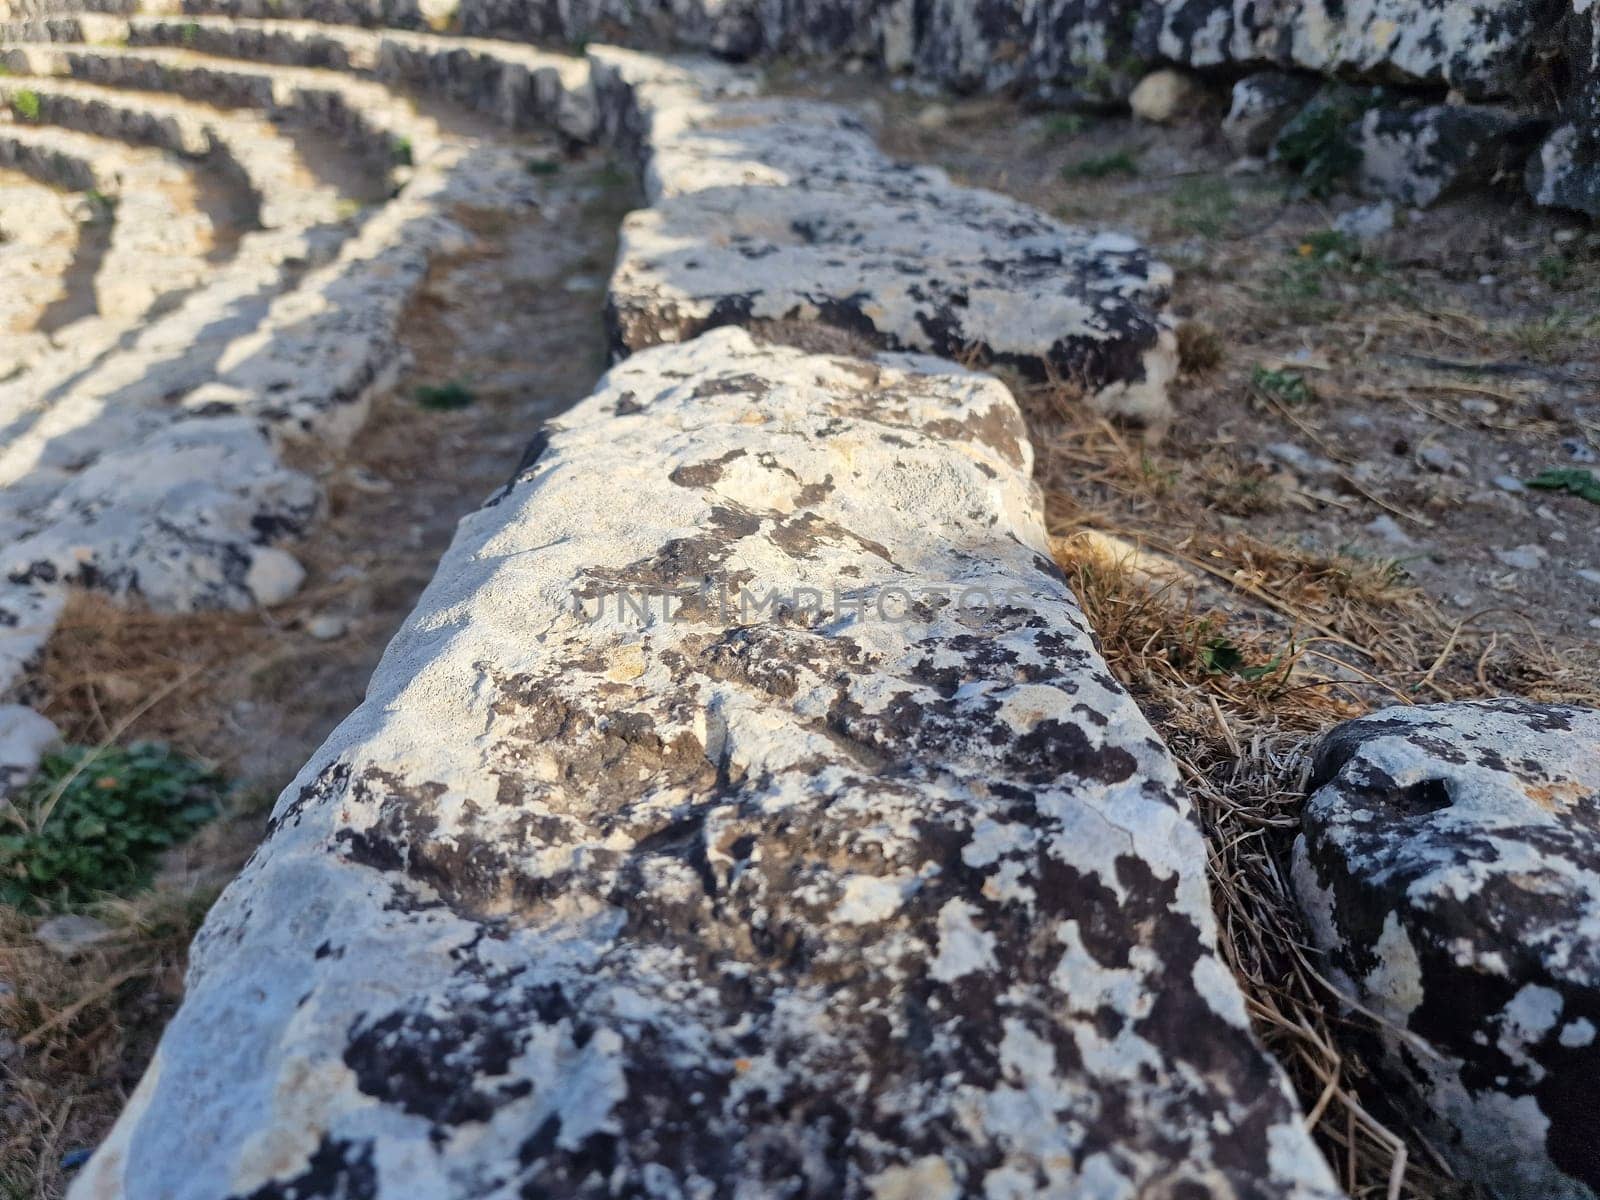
x=445, y=397
x=1579, y=482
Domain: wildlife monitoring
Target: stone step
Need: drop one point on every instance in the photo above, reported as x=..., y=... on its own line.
x=851, y=865
x=216, y=394
x=246, y=148
x=160, y=238
x=779, y=210
x=368, y=120
x=520, y=86
x=856, y=867
x=35, y=253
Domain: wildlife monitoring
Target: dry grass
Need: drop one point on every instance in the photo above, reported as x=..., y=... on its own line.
x=79, y=1031
x=1306, y=641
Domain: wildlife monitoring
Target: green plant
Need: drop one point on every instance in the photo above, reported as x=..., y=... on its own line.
x=543, y=166
x=1065, y=125
x=95, y=820
x=400, y=152
x=1102, y=166
x=444, y=397
x=189, y=33
x=103, y=207
x=1575, y=480
x=1203, y=206
x=1219, y=656
x=1555, y=270
x=1284, y=386
x=25, y=104
x=1317, y=145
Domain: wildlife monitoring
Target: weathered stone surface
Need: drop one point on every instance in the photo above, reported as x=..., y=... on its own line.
x=248, y=149
x=160, y=238
x=1481, y=47
x=1450, y=868
x=1565, y=171
x=1419, y=155
x=25, y=737
x=183, y=535
x=785, y=210
x=1262, y=104
x=519, y=85
x=887, y=890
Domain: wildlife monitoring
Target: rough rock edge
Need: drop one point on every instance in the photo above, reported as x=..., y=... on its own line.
x=604, y=906
x=768, y=210
x=1450, y=871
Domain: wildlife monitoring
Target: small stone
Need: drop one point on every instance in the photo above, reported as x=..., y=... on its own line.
x=1387, y=528
x=934, y=116
x=1435, y=457
x=326, y=627
x=1579, y=451
x=1588, y=574
x=274, y=575
x=1509, y=483
x=1488, y=280
x=25, y=736
x=71, y=934
x=1165, y=97
x=1261, y=106
x=1367, y=223
x=1527, y=557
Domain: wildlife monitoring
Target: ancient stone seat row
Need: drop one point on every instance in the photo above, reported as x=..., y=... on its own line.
x=745, y=803
x=286, y=342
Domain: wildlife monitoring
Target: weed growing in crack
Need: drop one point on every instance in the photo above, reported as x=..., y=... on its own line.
x=1575, y=480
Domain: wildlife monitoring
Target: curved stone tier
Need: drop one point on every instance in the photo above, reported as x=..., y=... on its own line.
x=160, y=238
x=267, y=351
x=853, y=869
x=769, y=210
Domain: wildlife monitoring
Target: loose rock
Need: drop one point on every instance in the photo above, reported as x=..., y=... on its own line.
x=72, y=934
x=1450, y=868
x=1262, y=104
x=1166, y=97
x=1417, y=156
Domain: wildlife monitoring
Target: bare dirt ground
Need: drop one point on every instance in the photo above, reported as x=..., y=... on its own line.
x=500, y=338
